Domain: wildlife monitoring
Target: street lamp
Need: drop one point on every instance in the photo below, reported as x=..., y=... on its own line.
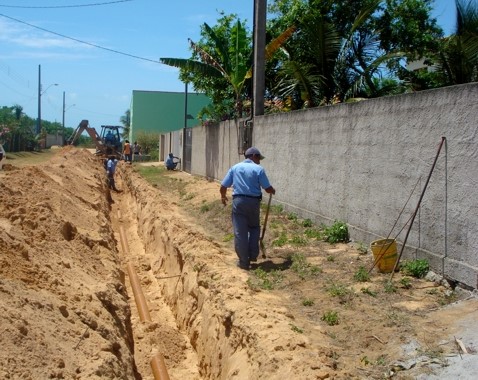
x=40, y=93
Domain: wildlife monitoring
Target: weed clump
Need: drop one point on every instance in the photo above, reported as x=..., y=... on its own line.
x=415, y=268
x=337, y=232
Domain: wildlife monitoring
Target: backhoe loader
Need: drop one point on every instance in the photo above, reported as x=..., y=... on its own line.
x=108, y=142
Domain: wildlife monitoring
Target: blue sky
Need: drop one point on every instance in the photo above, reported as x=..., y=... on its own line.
x=98, y=83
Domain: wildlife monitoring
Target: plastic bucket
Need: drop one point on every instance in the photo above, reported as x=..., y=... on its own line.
x=385, y=254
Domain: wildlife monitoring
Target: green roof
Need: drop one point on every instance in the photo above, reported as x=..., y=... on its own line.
x=162, y=112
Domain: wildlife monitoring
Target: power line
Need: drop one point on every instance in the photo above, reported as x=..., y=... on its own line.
x=80, y=41
x=64, y=6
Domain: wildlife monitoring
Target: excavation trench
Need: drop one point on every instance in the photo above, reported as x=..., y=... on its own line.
x=205, y=321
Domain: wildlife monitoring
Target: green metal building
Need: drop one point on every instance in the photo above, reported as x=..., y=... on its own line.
x=162, y=112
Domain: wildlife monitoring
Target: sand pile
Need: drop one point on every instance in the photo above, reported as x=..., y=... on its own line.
x=63, y=307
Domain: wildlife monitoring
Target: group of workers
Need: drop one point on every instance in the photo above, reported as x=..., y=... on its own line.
x=129, y=150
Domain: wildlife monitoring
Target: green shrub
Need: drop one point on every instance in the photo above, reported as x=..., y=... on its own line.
x=415, y=268
x=337, y=233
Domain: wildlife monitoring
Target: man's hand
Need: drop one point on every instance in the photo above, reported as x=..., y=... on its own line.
x=224, y=200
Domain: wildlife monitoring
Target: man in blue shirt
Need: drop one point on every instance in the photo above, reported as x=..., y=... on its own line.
x=110, y=170
x=170, y=163
x=247, y=178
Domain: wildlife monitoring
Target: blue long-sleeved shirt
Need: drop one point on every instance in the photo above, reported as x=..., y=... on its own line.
x=247, y=177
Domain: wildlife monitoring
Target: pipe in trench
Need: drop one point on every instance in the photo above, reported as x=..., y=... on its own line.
x=138, y=295
x=159, y=367
x=135, y=284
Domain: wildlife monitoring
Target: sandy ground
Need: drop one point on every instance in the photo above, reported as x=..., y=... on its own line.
x=67, y=310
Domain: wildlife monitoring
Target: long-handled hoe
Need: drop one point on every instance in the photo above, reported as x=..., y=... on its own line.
x=261, y=241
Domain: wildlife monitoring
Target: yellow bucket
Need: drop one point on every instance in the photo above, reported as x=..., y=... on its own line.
x=385, y=254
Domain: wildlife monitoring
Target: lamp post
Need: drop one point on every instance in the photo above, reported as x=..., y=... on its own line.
x=63, y=119
x=40, y=93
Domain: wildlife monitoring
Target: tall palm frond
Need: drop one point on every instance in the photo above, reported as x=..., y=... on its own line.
x=299, y=81
x=459, y=58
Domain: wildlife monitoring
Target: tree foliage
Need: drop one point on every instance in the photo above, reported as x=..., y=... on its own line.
x=349, y=49
x=218, y=66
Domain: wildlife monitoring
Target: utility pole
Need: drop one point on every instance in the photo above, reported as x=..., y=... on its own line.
x=63, y=122
x=38, y=126
x=259, y=70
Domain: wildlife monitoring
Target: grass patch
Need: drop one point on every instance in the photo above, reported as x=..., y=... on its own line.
x=406, y=282
x=277, y=209
x=280, y=241
x=369, y=292
x=265, y=280
x=302, y=267
x=331, y=318
x=362, y=248
x=314, y=233
x=296, y=329
x=298, y=241
x=338, y=290
x=362, y=275
x=228, y=237
x=307, y=223
x=389, y=287
x=307, y=302
x=205, y=208
x=156, y=176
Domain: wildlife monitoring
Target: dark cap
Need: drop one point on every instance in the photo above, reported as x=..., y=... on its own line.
x=253, y=152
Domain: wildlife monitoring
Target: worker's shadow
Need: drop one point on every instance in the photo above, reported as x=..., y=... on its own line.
x=269, y=265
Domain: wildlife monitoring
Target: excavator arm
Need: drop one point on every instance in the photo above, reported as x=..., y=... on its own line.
x=82, y=127
x=102, y=148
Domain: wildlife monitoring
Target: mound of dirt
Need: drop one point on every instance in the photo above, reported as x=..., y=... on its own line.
x=64, y=312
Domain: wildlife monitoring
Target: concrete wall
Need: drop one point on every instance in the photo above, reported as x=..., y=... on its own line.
x=367, y=163
x=215, y=149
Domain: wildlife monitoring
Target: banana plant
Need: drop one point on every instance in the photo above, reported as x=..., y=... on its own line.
x=229, y=59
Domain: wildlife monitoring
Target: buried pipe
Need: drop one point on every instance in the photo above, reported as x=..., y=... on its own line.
x=135, y=284
x=138, y=295
x=159, y=367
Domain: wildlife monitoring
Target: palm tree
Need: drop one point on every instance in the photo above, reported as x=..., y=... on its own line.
x=327, y=67
x=459, y=58
x=226, y=59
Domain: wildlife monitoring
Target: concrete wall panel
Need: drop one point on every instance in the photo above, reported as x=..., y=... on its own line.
x=367, y=163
